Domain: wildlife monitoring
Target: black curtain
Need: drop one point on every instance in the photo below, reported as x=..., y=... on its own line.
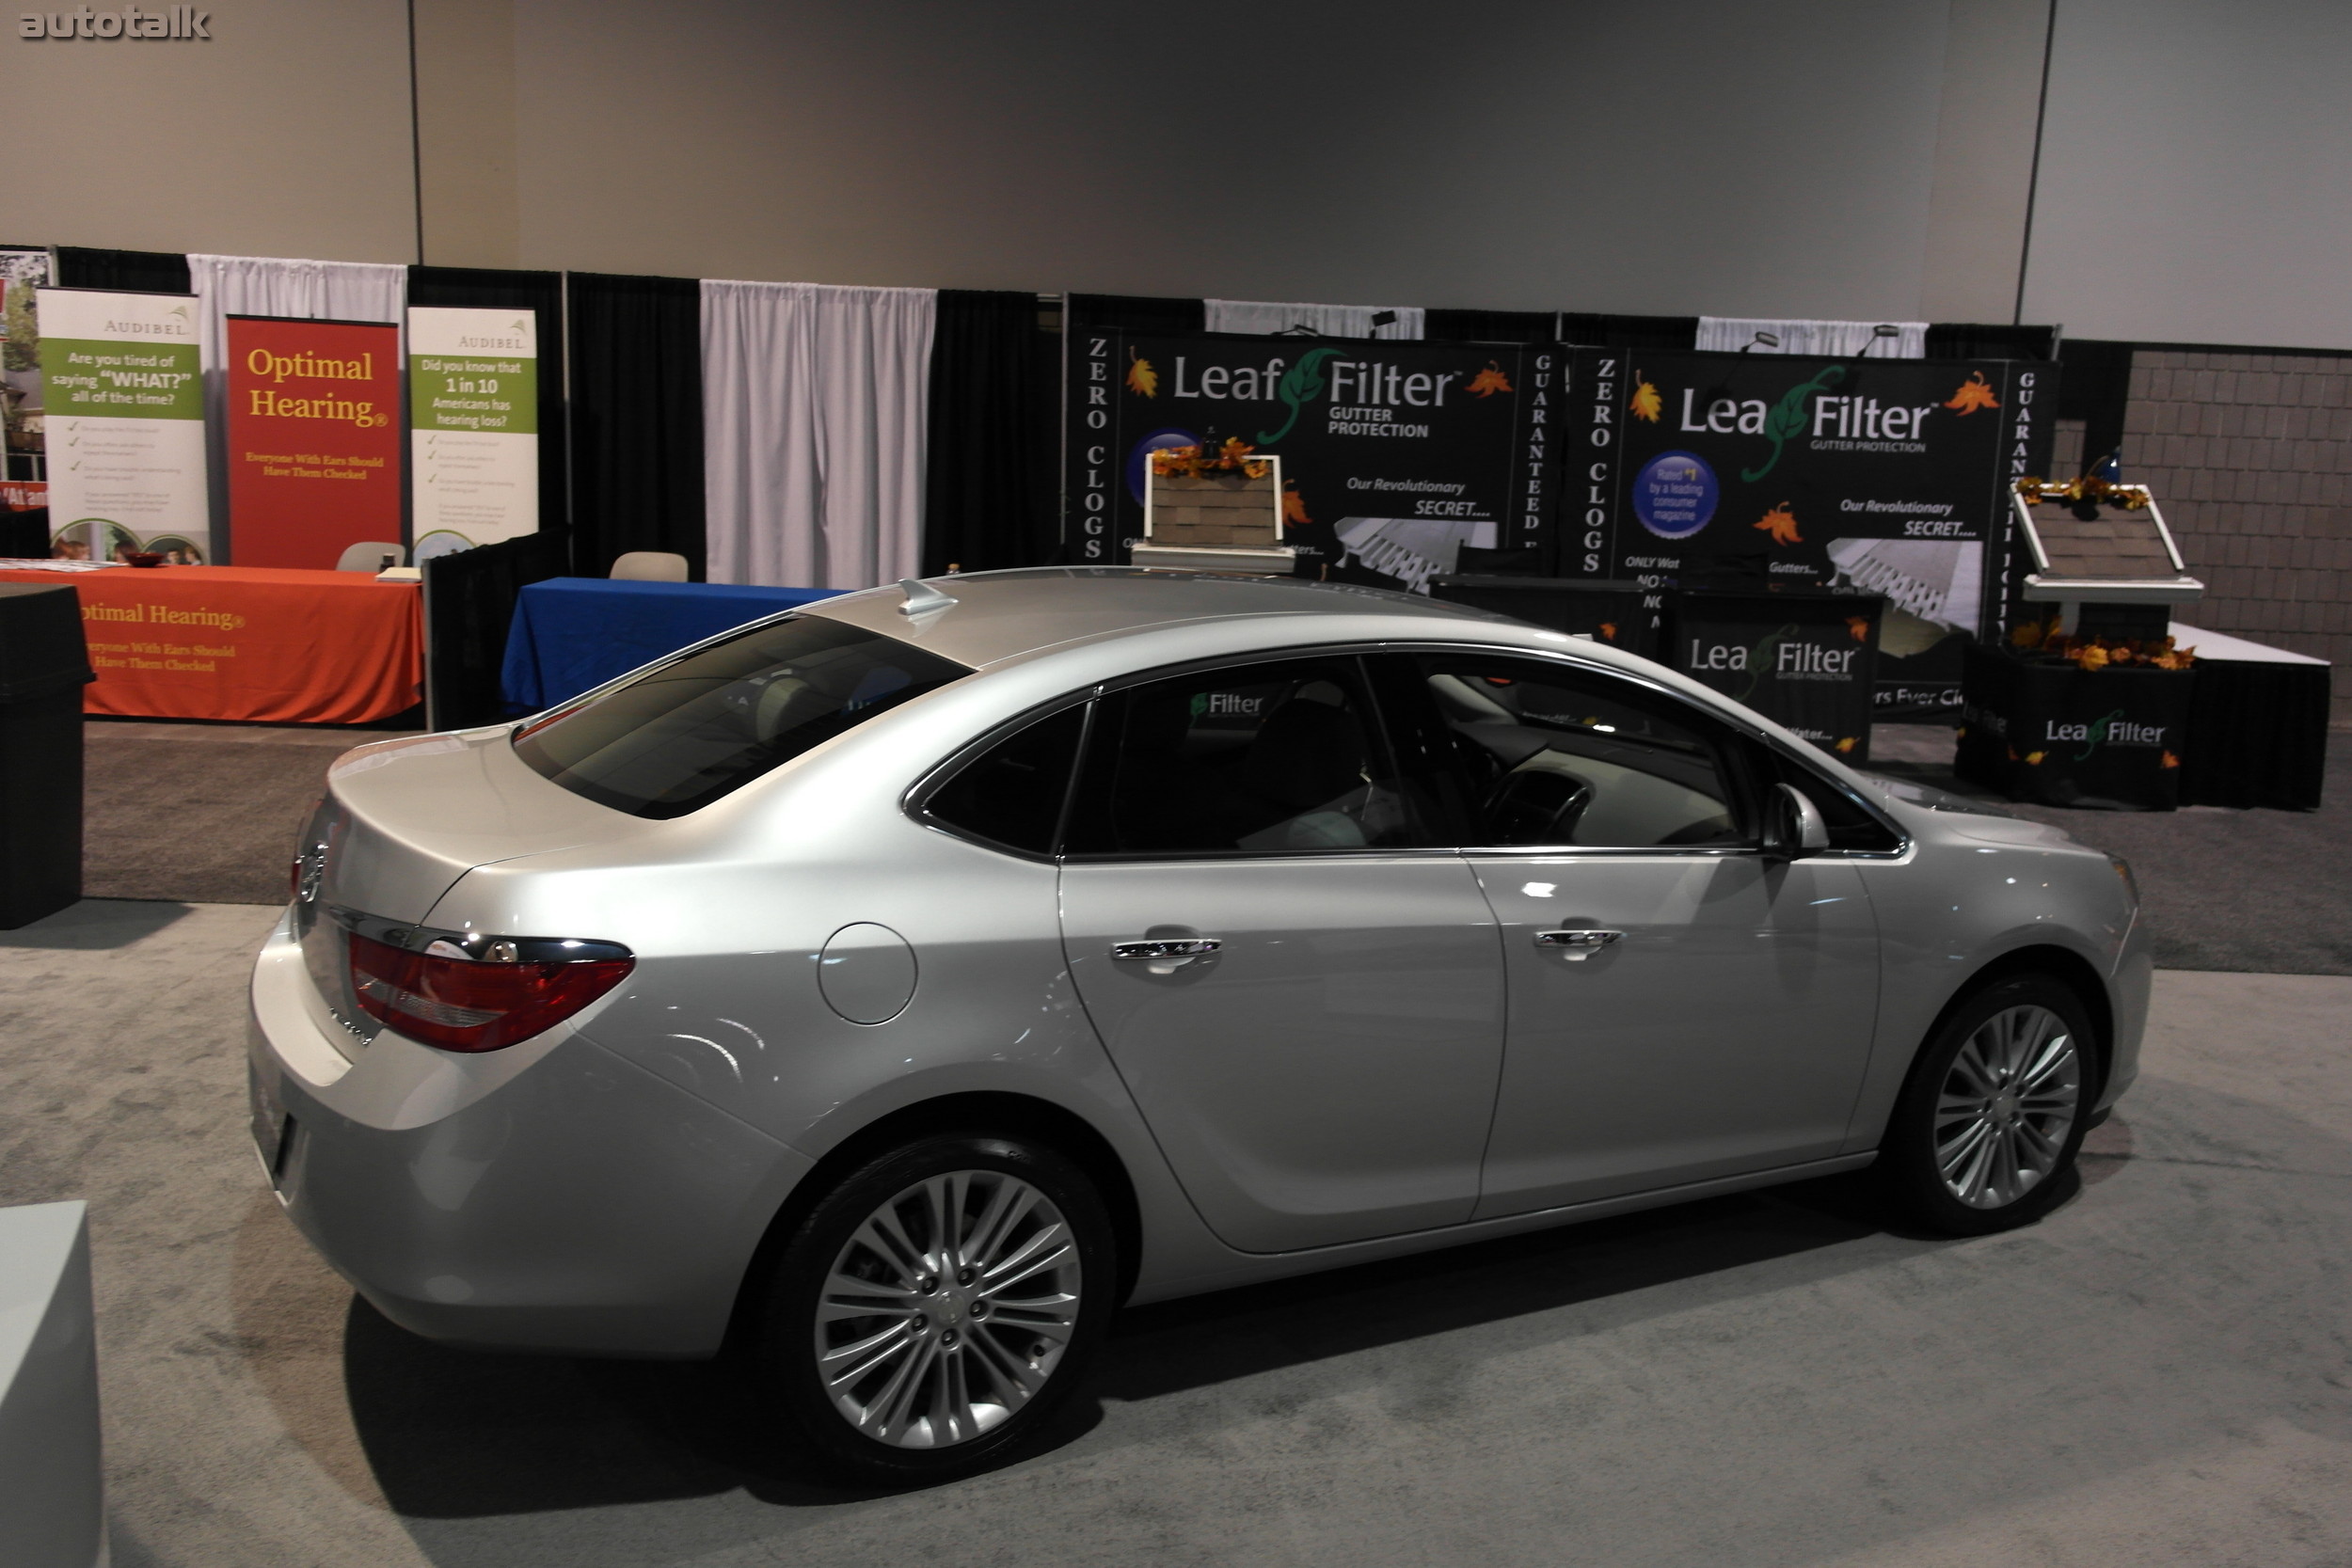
x=1135, y=313
x=637, y=418
x=988, y=489
x=1489, y=326
x=1667, y=334
x=1990, y=341
x=2094, y=387
x=153, y=272
x=490, y=288
x=469, y=604
x=24, y=535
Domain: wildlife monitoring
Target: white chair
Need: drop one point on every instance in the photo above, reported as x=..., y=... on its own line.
x=650, y=566
x=367, y=556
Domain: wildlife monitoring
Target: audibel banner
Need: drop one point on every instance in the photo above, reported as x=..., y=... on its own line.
x=1397, y=456
x=1879, y=476
x=314, y=444
x=474, y=426
x=123, y=414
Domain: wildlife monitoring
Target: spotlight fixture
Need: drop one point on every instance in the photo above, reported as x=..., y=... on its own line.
x=1884, y=329
x=1770, y=340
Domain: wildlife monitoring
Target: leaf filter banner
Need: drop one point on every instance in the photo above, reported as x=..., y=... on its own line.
x=1878, y=476
x=123, y=411
x=474, y=426
x=314, y=443
x=1396, y=456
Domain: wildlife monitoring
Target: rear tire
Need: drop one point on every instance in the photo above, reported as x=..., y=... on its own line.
x=937, y=1306
x=1984, y=1134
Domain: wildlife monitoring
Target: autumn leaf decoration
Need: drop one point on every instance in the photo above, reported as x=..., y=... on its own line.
x=1781, y=524
x=2171, y=761
x=1486, y=383
x=1226, y=462
x=1647, y=403
x=1860, y=627
x=2034, y=758
x=1846, y=743
x=1141, y=377
x=1609, y=630
x=1295, y=508
x=1975, y=393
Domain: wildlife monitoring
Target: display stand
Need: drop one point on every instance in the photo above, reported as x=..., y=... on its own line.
x=1605, y=610
x=2047, y=731
x=2257, y=723
x=2085, y=716
x=1805, y=658
x=44, y=664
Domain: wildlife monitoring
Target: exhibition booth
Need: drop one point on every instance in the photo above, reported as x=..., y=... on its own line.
x=292, y=492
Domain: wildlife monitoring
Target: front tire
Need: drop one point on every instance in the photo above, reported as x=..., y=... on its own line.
x=1986, y=1129
x=938, y=1306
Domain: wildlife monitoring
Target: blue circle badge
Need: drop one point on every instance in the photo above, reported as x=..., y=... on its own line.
x=1674, y=494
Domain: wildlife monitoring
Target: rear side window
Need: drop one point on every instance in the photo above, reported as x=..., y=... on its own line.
x=685, y=733
x=1013, y=793
x=1276, y=758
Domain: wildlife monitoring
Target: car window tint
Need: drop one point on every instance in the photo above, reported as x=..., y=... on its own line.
x=1274, y=758
x=1548, y=755
x=1011, y=794
x=686, y=732
x=1851, y=827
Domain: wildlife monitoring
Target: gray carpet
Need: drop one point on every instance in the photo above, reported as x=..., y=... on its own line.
x=2258, y=891
x=206, y=820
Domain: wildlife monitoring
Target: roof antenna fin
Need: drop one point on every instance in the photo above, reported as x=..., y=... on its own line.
x=922, y=598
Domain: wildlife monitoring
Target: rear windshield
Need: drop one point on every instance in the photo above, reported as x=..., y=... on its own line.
x=685, y=733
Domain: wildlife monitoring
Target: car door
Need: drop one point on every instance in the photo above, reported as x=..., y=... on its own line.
x=1682, y=1005
x=1305, y=1001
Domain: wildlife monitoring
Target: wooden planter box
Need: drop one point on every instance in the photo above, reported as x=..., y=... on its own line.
x=1224, y=513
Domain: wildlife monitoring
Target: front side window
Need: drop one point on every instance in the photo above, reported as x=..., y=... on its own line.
x=685, y=733
x=1541, y=755
x=1283, y=757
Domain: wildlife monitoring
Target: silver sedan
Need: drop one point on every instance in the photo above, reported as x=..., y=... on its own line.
x=889, y=990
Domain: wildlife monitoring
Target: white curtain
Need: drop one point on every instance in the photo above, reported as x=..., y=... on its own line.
x=1332, y=321
x=1821, y=340
x=270, y=286
x=814, y=420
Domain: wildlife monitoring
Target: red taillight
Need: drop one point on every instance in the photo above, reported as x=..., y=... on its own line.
x=463, y=1004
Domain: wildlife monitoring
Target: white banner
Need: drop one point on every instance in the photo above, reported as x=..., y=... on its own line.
x=122, y=385
x=473, y=427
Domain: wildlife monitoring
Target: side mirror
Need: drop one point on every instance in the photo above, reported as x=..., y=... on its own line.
x=1796, y=828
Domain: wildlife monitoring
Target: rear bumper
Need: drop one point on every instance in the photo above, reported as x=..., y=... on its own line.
x=559, y=1199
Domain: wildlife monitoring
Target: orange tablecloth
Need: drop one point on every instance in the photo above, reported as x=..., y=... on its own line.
x=267, y=645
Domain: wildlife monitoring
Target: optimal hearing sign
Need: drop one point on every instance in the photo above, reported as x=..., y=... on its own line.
x=314, y=440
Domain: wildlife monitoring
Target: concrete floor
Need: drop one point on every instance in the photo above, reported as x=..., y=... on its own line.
x=2160, y=1373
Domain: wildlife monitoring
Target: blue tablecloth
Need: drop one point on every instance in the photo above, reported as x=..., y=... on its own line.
x=571, y=634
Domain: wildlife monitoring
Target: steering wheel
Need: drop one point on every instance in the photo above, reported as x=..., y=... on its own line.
x=1535, y=806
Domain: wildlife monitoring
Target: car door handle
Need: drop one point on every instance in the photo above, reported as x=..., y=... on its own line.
x=1578, y=944
x=1176, y=948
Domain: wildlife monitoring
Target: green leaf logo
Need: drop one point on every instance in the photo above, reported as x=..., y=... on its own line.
x=1302, y=381
x=1786, y=419
x=2098, y=734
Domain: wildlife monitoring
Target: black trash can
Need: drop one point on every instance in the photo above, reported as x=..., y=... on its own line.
x=43, y=666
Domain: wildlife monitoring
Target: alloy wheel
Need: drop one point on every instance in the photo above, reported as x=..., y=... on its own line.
x=947, y=1309
x=2007, y=1105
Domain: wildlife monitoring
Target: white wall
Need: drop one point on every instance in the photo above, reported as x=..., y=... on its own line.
x=286, y=134
x=2196, y=173
x=1714, y=154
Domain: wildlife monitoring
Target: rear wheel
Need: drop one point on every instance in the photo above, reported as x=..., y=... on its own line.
x=1988, y=1126
x=938, y=1304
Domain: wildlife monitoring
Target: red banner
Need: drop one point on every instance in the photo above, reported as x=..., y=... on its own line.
x=314, y=440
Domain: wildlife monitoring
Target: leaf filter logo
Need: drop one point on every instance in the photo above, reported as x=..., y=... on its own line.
x=2112, y=729
x=1787, y=419
x=1299, y=382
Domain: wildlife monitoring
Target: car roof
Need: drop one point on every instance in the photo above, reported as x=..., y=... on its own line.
x=996, y=616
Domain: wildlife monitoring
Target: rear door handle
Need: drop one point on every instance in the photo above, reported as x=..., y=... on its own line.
x=1176, y=948
x=1578, y=945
